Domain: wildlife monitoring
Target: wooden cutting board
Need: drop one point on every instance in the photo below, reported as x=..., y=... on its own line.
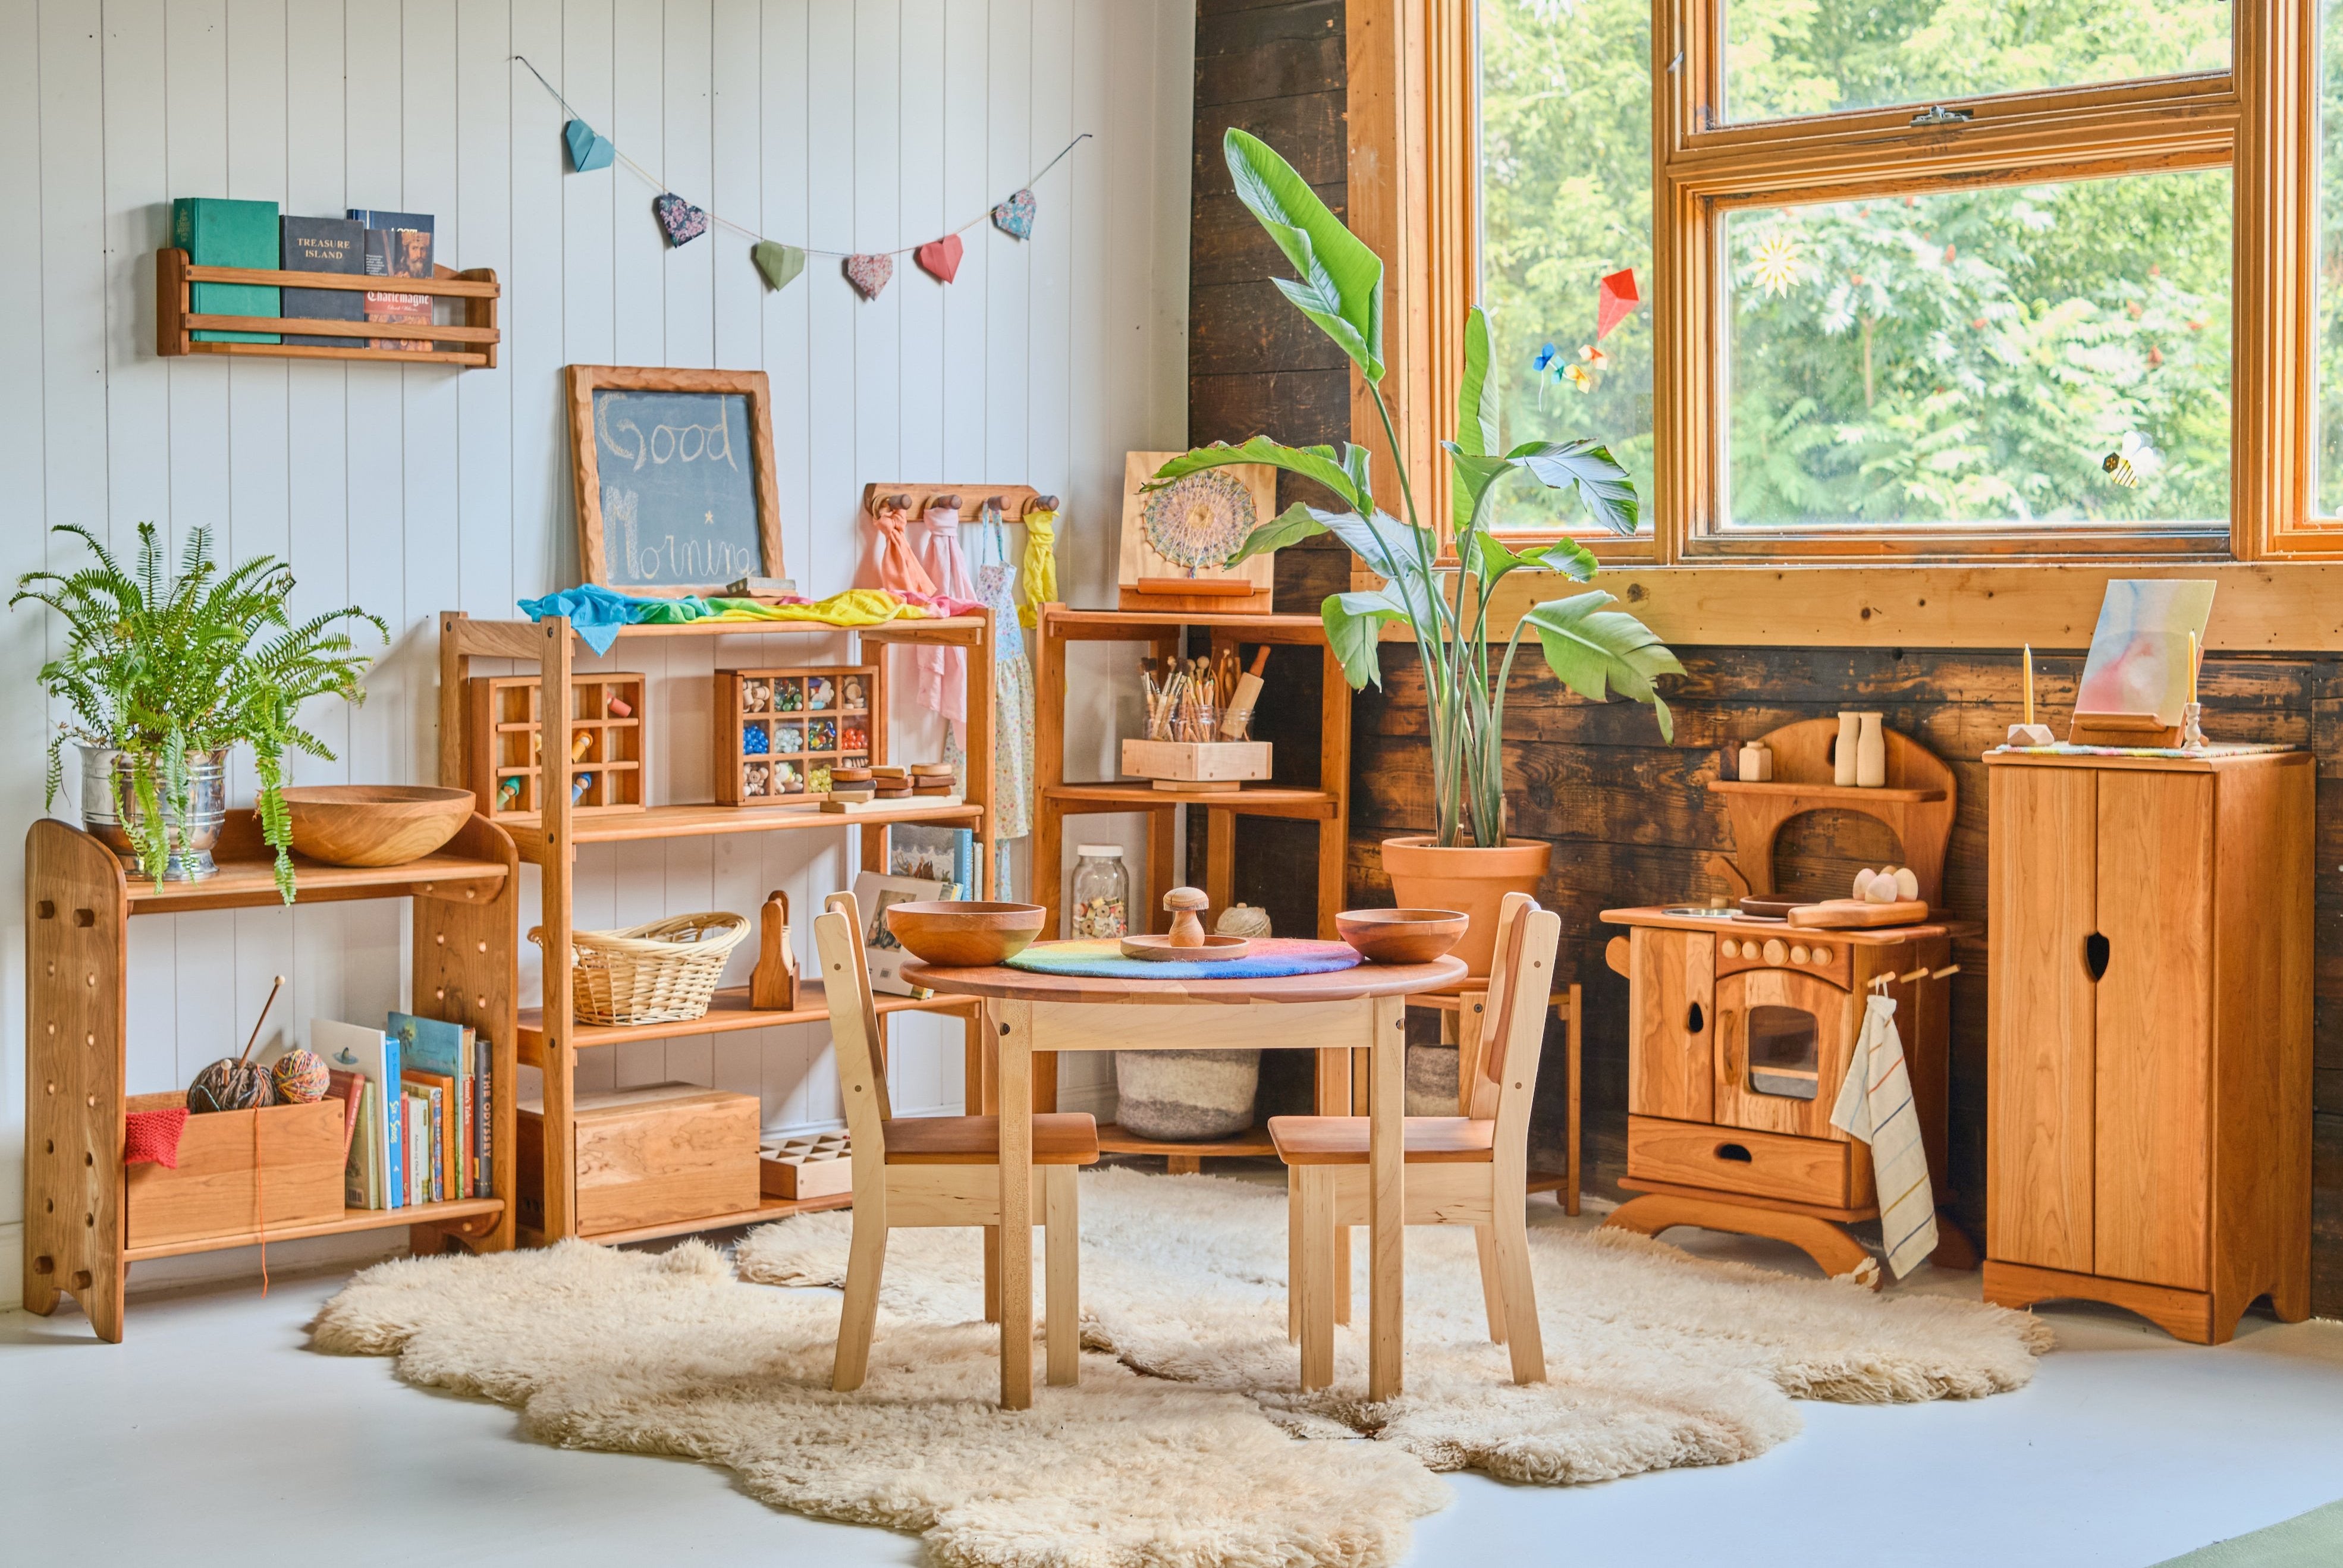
x=1858, y=914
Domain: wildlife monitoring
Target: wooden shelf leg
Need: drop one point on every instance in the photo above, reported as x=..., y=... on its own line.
x=1827, y=1244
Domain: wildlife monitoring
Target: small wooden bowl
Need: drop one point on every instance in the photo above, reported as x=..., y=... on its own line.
x=374, y=824
x=1159, y=949
x=1402, y=936
x=965, y=933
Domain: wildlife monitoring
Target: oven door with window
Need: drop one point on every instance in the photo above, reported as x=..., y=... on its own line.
x=1783, y=1042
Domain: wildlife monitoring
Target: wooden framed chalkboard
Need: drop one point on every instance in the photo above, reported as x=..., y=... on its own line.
x=674, y=478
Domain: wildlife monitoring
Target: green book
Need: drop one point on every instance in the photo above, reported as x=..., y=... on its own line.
x=215, y=232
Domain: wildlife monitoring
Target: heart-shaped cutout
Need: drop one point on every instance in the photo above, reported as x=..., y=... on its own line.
x=587, y=150
x=939, y=259
x=868, y=274
x=683, y=222
x=780, y=263
x=1014, y=218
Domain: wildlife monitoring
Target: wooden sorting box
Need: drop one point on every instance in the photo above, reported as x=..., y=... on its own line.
x=1226, y=763
x=296, y=1150
x=779, y=732
x=504, y=721
x=820, y=1165
x=648, y=1156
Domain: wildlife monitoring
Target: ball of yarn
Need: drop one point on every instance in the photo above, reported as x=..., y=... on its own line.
x=228, y=1084
x=1243, y=921
x=301, y=1077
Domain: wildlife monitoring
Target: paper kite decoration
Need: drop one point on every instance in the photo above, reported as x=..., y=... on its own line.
x=868, y=274
x=939, y=259
x=587, y=150
x=683, y=222
x=1615, y=300
x=1014, y=218
x=780, y=263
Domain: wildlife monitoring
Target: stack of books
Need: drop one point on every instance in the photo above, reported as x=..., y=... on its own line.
x=215, y=232
x=421, y=1095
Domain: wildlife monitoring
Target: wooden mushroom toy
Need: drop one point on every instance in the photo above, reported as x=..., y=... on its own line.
x=1187, y=906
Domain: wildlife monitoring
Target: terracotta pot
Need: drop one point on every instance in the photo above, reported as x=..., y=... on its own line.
x=1475, y=881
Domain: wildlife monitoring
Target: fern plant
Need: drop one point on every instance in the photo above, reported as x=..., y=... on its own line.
x=163, y=666
x=1444, y=600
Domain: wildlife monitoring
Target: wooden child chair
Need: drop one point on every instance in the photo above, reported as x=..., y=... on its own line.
x=934, y=1171
x=1469, y=1170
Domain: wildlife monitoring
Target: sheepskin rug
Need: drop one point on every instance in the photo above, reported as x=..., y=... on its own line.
x=1654, y=1358
x=1180, y=1448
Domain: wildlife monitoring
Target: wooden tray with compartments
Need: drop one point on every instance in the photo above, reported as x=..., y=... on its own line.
x=779, y=732
x=820, y=1165
x=503, y=735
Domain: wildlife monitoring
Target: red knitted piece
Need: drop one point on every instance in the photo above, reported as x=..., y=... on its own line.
x=152, y=1137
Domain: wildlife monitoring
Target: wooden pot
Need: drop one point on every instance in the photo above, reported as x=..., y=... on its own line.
x=1475, y=881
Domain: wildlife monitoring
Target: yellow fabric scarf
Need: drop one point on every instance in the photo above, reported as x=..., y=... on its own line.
x=1040, y=586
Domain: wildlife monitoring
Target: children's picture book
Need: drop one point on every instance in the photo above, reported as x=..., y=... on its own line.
x=324, y=244
x=450, y=1054
x=217, y=231
x=397, y=244
x=374, y=1054
x=937, y=855
x=872, y=894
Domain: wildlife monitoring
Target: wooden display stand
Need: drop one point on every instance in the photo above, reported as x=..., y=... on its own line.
x=1729, y=1123
x=503, y=739
x=550, y=1039
x=1149, y=584
x=86, y=1217
x=1328, y=805
x=177, y=320
x=2148, y=1053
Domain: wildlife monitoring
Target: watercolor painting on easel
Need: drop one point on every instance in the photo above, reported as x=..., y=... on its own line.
x=2140, y=652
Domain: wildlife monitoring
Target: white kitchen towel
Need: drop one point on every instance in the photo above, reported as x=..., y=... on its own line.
x=1875, y=1104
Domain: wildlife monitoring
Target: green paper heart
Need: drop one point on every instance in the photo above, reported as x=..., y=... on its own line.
x=781, y=264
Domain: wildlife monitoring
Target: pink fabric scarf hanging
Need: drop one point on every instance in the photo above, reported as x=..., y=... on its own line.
x=897, y=568
x=943, y=685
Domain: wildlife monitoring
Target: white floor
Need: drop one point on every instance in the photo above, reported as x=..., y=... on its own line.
x=210, y=1437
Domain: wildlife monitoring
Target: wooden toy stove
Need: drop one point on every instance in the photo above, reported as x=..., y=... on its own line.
x=1740, y=1031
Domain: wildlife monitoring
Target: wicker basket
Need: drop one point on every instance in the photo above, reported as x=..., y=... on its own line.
x=663, y=973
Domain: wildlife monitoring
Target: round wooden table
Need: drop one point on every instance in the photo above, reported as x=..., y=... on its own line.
x=1361, y=1008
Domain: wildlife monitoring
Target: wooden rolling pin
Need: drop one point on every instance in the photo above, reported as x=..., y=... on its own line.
x=1240, y=714
x=1858, y=914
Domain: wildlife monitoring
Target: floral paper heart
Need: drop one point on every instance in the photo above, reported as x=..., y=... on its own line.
x=683, y=222
x=780, y=263
x=1014, y=218
x=939, y=259
x=588, y=151
x=868, y=274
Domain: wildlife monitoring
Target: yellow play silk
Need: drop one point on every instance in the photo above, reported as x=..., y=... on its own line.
x=855, y=607
x=1040, y=586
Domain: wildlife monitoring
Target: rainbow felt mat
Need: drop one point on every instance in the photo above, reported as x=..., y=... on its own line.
x=1101, y=959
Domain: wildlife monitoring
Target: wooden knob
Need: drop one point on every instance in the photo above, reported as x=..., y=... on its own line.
x=1797, y=953
x=1729, y=947
x=1776, y=952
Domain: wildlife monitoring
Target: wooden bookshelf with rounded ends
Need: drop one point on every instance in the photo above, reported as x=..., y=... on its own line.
x=549, y=1039
x=470, y=345
x=83, y=1223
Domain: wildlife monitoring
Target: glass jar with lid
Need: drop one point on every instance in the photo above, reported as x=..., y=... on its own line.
x=1101, y=895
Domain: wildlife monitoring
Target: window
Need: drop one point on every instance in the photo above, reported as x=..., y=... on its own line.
x=1916, y=278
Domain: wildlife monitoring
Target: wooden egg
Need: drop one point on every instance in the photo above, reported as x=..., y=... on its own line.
x=300, y=1078
x=1907, y=882
x=1863, y=879
x=229, y=1084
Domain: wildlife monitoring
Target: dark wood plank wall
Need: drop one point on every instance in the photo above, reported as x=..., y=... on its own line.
x=1631, y=818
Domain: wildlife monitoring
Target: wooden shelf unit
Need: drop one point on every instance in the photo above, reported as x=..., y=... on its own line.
x=549, y=839
x=79, y=904
x=475, y=340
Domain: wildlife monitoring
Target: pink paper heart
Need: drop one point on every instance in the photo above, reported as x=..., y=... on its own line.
x=939, y=259
x=868, y=274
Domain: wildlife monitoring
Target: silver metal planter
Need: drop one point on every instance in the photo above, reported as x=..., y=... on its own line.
x=110, y=809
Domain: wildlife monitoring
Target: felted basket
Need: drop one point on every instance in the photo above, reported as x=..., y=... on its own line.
x=662, y=972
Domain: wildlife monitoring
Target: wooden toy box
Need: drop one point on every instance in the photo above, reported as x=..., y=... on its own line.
x=296, y=1150
x=648, y=1156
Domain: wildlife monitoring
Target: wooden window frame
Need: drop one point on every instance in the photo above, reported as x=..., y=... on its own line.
x=1413, y=184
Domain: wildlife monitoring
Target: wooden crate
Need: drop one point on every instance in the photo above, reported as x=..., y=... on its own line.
x=817, y=1166
x=779, y=732
x=649, y=1156
x=1197, y=763
x=298, y=1152
x=502, y=725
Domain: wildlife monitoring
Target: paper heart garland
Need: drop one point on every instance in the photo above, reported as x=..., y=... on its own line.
x=780, y=263
x=1014, y=218
x=868, y=274
x=939, y=259
x=587, y=150
x=683, y=222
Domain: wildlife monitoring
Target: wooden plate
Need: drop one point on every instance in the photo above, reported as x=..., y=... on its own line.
x=1161, y=950
x=1772, y=909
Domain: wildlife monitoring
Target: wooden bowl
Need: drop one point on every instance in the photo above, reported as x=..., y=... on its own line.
x=965, y=933
x=374, y=824
x=1159, y=950
x=1402, y=936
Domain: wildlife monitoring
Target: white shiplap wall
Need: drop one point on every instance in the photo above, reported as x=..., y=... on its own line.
x=849, y=124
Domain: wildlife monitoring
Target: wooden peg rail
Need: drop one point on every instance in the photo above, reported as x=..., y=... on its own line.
x=1016, y=500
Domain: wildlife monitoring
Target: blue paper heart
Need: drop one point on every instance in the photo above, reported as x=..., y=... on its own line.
x=587, y=151
x=1014, y=218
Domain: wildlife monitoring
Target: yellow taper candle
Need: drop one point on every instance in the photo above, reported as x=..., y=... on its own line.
x=2029, y=683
